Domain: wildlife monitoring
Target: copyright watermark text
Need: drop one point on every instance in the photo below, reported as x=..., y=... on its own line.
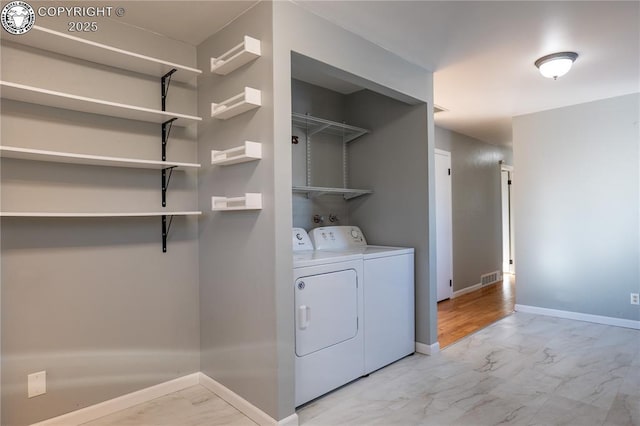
x=80, y=12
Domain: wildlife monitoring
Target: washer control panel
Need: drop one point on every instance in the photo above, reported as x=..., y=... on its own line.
x=301, y=241
x=337, y=237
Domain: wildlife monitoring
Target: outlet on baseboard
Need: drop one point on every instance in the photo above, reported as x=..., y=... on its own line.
x=635, y=299
x=37, y=384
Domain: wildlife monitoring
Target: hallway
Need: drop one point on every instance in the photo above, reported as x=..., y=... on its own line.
x=473, y=311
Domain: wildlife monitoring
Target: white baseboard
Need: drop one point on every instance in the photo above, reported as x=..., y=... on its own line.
x=244, y=406
x=425, y=349
x=466, y=290
x=292, y=420
x=599, y=319
x=93, y=412
x=123, y=402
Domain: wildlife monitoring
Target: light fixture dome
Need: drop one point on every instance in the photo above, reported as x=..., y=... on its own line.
x=556, y=65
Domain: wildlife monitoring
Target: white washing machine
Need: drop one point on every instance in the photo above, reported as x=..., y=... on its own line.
x=329, y=340
x=389, y=293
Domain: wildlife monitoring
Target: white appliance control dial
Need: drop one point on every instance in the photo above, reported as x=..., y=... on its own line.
x=300, y=240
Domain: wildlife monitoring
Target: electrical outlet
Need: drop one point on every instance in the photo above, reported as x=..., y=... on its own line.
x=635, y=299
x=37, y=384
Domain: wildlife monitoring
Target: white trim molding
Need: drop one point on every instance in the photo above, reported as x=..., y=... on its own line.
x=466, y=290
x=425, y=349
x=93, y=412
x=292, y=420
x=244, y=406
x=120, y=403
x=598, y=319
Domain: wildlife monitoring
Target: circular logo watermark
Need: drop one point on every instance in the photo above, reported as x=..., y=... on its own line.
x=17, y=17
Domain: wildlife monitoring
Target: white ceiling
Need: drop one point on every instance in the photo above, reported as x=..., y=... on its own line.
x=481, y=52
x=190, y=22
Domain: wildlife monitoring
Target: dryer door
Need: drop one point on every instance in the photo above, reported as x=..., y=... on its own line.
x=326, y=310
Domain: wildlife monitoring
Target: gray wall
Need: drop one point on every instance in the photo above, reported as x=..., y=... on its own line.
x=476, y=205
x=577, y=207
x=366, y=65
x=237, y=257
x=94, y=302
x=326, y=154
x=392, y=160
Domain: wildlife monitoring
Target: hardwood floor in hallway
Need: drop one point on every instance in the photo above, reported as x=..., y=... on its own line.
x=473, y=311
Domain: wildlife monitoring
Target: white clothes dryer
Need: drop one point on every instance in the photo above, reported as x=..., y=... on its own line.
x=329, y=340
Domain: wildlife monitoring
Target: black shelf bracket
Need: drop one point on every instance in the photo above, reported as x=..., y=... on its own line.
x=166, y=177
x=164, y=87
x=166, y=226
x=166, y=131
x=165, y=82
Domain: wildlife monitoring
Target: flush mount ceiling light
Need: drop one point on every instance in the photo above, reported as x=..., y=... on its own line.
x=556, y=65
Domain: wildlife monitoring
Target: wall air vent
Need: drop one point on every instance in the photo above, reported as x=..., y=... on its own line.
x=490, y=278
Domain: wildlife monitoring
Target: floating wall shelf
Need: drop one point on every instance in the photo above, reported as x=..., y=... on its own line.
x=316, y=191
x=243, y=102
x=93, y=160
x=239, y=55
x=66, y=44
x=99, y=214
x=314, y=125
x=250, y=151
x=250, y=201
x=36, y=95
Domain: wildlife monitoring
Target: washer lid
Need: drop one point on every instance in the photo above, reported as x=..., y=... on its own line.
x=372, y=252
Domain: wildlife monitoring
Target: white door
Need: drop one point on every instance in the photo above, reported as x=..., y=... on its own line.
x=444, y=239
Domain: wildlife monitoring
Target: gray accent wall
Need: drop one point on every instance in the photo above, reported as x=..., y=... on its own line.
x=476, y=205
x=326, y=155
x=577, y=207
x=238, y=335
x=392, y=161
x=94, y=302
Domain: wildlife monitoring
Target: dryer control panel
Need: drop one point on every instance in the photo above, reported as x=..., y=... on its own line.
x=301, y=241
x=337, y=237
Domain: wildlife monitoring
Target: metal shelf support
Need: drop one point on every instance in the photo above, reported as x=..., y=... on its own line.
x=165, y=82
x=166, y=177
x=166, y=227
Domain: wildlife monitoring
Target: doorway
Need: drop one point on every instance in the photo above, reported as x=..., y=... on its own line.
x=506, y=182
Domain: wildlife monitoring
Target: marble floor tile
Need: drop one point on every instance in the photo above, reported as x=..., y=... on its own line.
x=523, y=370
x=625, y=411
x=559, y=411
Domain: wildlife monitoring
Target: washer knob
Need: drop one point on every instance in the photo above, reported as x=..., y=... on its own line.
x=354, y=233
x=299, y=236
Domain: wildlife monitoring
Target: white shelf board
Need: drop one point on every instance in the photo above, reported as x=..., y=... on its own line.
x=249, y=151
x=313, y=125
x=315, y=191
x=100, y=214
x=250, y=201
x=67, y=44
x=39, y=96
x=237, y=56
x=92, y=160
x=247, y=100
